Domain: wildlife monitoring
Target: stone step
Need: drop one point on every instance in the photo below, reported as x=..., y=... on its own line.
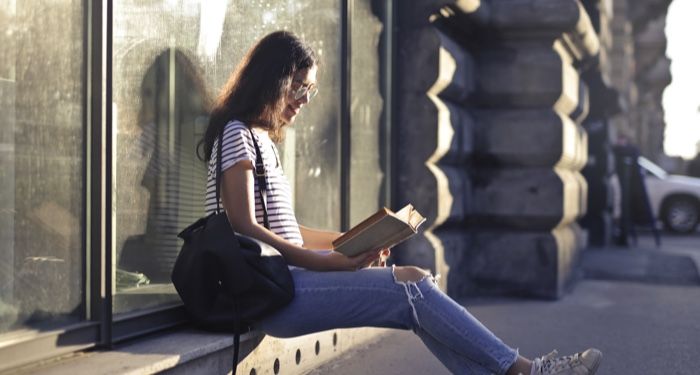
x=191, y=351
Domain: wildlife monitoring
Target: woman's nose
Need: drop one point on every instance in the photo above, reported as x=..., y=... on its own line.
x=304, y=99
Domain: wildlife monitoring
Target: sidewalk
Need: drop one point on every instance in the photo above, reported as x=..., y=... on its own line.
x=641, y=307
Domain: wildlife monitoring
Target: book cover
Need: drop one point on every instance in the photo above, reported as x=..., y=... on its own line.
x=381, y=230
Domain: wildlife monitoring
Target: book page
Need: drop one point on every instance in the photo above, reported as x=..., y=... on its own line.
x=405, y=213
x=415, y=219
x=409, y=215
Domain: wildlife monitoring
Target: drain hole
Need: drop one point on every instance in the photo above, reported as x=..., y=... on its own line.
x=317, y=348
x=298, y=356
x=276, y=366
x=335, y=339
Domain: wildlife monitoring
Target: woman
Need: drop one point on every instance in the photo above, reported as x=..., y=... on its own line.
x=273, y=82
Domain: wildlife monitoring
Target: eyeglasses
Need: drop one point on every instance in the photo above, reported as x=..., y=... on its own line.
x=302, y=91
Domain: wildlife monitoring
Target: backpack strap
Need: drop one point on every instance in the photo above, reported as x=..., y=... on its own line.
x=259, y=172
x=261, y=177
x=236, y=338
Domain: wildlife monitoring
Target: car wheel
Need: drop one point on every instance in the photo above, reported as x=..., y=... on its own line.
x=681, y=215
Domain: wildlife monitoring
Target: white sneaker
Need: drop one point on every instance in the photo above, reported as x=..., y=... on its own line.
x=584, y=363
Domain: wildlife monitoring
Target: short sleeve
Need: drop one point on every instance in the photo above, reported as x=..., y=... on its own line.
x=237, y=145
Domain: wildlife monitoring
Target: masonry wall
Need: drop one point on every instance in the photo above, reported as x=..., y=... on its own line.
x=640, y=72
x=490, y=142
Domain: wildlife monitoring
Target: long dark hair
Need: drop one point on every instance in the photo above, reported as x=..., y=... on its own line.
x=255, y=91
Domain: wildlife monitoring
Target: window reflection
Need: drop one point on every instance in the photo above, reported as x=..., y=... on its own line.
x=170, y=120
x=41, y=164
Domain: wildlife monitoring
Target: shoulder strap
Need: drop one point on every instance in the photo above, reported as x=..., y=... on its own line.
x=259, y=172
x=262, y=186
x=220, y=142
x=261, y=176
x=236, y=337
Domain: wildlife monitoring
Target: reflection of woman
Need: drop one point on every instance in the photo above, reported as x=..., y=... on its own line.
x=275, y=80
x=173, y=99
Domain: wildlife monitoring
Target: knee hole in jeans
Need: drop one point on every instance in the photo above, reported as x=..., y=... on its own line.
x=410, y=274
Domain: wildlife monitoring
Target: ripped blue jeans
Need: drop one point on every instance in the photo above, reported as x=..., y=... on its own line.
x=372, y=297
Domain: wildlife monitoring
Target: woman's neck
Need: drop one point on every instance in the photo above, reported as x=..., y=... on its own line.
x=259, y=130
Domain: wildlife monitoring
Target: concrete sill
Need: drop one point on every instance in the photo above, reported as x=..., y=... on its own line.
x=190, y=351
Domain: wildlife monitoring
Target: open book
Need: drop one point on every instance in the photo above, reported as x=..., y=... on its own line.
x=381, y=230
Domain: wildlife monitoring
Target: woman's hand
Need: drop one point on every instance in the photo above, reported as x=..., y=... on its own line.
x=381, y=260
x=383, y=256
x=336, y=261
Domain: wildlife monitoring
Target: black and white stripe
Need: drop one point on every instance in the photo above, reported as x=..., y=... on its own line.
x=238, y=146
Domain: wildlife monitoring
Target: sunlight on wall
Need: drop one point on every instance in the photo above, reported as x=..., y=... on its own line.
x=681, y=99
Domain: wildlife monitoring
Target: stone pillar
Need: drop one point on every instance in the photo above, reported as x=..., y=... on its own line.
x=605, y=102
x=427, y=129
x=491, y=142
x=621, y=68
x=653, y=74
x=640, y=71
x=529, y=147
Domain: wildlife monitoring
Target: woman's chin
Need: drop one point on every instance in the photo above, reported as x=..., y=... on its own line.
x=287, y=119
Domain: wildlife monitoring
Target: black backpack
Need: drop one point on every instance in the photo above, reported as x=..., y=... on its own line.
x=228, y=281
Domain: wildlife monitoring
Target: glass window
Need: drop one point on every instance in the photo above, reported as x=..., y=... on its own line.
x=366, y=105
x=169, y=58
x=41, y=164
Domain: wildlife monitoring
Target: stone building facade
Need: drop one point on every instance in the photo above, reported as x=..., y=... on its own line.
x=626, y=91
x=515, y=99
x=640, y=71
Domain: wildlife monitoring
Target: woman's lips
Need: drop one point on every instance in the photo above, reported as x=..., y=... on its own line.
x=293, y=110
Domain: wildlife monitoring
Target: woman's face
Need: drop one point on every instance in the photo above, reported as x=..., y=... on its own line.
x=302, y=90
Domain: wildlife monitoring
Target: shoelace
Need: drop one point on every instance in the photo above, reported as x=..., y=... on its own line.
x=549, y=364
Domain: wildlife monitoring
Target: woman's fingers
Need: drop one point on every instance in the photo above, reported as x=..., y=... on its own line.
x=371, y=257
x=365, y=259
x=383, y=255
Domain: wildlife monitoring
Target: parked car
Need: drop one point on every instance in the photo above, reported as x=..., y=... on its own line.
x=675, y=200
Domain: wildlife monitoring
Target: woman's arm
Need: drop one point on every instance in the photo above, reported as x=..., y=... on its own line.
x=323, y=240
x=239, y=199
x=317, y=238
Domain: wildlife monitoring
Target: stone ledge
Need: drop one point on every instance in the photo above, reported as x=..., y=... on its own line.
x=190, y=351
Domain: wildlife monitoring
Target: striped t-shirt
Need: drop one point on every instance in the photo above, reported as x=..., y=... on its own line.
x=238, y=145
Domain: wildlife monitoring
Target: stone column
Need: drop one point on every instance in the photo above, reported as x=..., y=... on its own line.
x=605, y=102
x=653, y=74
x=493, y=143
x=621, y=67
x=433, y=136
x=640, y=71
x=529, y=147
